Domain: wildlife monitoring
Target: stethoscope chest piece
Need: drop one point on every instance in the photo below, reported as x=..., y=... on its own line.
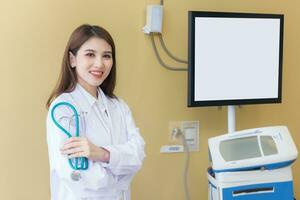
x=75, y=175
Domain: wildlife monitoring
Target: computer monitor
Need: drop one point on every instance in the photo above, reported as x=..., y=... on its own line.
x=234, y=58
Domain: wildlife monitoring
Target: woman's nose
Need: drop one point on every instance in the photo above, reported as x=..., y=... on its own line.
x=98, y=62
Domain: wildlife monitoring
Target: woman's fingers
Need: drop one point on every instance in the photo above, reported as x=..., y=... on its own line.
x=74, y=139
x=72, y=151
x=76, y=147
x=71, y=145
x=74, y=142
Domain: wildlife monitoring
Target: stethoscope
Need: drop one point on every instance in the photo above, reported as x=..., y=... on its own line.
x=76, y=164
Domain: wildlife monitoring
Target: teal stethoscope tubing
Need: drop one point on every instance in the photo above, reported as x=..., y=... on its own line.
x=83, y=164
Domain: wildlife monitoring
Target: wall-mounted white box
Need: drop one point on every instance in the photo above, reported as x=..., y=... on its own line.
x=154, y=19
x=190, y=130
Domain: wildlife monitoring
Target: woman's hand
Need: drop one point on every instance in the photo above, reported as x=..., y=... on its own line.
x=81, y=147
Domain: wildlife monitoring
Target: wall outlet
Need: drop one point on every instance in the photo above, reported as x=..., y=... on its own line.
x=190, y=129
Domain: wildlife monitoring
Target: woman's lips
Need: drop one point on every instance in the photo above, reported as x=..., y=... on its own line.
x=96, y=74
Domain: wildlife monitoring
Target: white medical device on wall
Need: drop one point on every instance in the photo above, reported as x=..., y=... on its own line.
x=252, y=164
x=154, y=19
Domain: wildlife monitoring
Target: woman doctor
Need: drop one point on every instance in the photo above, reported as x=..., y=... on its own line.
x=109, y=138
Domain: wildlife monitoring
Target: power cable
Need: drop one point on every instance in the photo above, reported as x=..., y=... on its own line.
x=168, y=52
x=160, y=59
x=186, y=167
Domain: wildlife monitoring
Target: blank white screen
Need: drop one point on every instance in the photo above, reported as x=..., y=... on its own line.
x=236, y=58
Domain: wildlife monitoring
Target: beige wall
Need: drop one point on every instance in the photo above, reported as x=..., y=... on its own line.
x=33, y=34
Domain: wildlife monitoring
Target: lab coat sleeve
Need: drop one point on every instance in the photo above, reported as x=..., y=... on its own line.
x=126, y=159
x=96, y=177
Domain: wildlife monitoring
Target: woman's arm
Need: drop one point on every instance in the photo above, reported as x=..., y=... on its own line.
x=127, y=158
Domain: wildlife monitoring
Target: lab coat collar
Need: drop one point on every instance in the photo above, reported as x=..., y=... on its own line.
x=88, y=100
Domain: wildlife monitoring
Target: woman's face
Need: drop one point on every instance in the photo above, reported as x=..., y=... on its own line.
x=93, y=63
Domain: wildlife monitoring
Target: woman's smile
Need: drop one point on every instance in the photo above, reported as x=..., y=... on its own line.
x=96, y=73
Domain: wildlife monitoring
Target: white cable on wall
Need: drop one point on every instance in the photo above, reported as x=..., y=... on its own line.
x=186, y=167
x=178, y=133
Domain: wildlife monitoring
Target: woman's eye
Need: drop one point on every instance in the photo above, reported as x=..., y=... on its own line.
x=107, y=56
x=90, y=54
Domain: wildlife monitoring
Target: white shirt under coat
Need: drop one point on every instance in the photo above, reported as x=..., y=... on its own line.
x=107, y=123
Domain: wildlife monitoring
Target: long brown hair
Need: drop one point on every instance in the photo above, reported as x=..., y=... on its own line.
x=67, y=78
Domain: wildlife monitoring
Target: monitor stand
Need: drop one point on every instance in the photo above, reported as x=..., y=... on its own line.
x=231, y=119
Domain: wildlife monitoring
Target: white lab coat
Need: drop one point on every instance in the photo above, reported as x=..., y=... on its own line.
x=107, y=123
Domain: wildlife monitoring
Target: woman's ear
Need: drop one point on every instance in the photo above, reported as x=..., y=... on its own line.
x=72, y=59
